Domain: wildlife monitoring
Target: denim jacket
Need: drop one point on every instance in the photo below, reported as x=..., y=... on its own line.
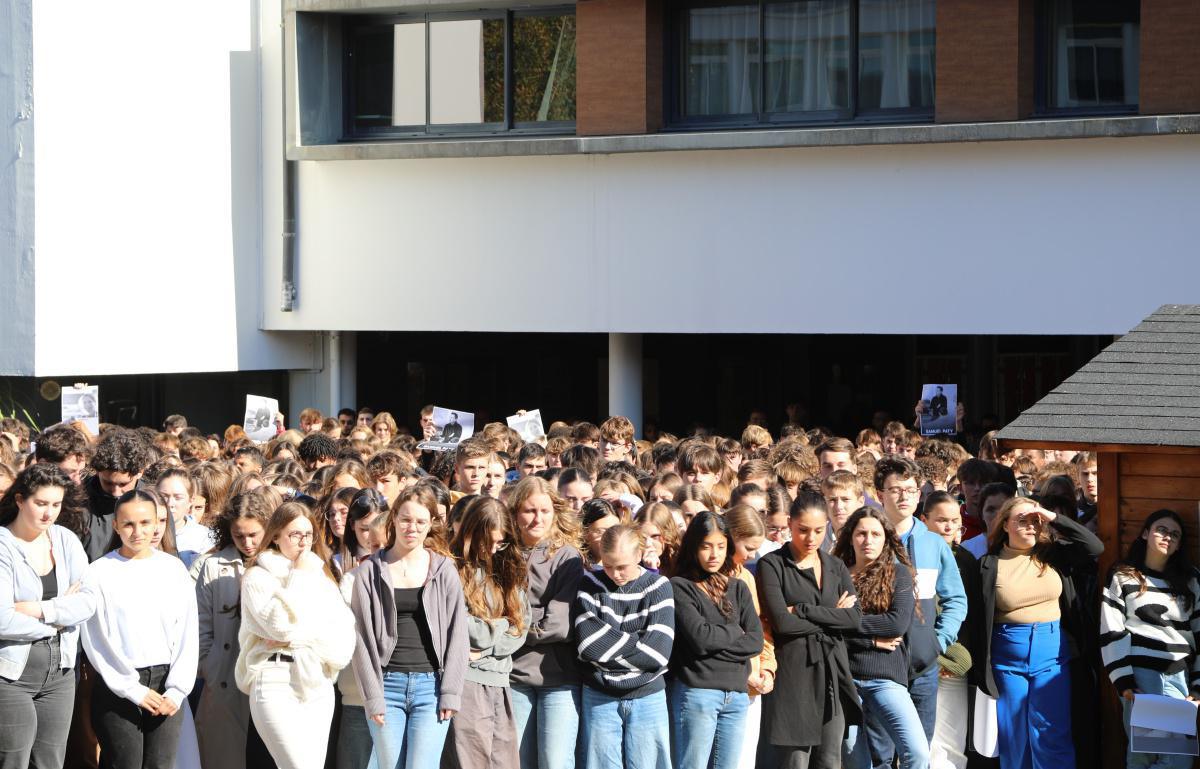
x=61, y=615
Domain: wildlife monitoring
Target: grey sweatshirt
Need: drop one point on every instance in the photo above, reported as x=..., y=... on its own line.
x=548, y=656
x=373, y=602
x=496, y=646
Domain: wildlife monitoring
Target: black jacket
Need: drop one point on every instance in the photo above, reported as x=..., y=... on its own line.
x=98, y=530
x=814, y=673
x=1073, y=557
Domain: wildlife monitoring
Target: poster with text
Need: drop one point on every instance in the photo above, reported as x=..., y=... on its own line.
x=528, y=424
x=451, y=427
x=259, y=423
x=940, y=409
x=82, y=403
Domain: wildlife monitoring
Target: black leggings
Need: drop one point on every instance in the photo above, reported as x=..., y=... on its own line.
x=131, y=738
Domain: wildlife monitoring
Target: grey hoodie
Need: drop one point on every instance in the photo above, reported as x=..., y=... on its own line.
x=373, y=602
x=548, y=656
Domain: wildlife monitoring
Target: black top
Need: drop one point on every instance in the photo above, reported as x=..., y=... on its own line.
x=867, y=661
x=712, y=651
x=49, y=585
x=414, y=651
x=813, y=682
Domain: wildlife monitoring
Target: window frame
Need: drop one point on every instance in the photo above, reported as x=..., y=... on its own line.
x=507, y=127
x=1043, y=39
x=673, y=88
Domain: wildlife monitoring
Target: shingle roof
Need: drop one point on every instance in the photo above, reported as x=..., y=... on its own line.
x=1143, y=389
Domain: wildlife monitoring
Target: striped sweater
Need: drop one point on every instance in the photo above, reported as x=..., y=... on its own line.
x=625, y=633
x=1152, y=630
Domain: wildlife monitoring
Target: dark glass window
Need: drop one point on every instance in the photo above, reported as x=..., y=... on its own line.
x=448, y=74
x=803, y=61
x=1089, y=53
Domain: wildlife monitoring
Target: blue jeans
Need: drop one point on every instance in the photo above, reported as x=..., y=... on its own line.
x=1169, y=685
x=887, y=705
x=708, y=724
x=547, y=720
x=923, y=693
x=354, y=747
x=1033, y=709
x=626, y=734
x=411, y=736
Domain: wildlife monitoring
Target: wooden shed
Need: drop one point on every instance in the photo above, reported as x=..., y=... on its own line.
x=1137, y=405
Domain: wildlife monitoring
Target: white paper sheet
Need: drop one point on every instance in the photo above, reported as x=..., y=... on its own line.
x=82, y=403
x=529, y=425
x=259, y=422
x=1161, y=724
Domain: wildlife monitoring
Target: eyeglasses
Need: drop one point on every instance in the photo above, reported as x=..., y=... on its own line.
x=903, y=491
x=1168, y=534
x=409, y=523
x=776, y=529
x=300, y=537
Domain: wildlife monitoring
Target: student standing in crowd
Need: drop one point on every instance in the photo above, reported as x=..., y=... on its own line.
x=493, y=577
x=1034, y=631
x=1150, y=624
x=809, y=599
x=717, y=634
x=746, y=528
x=118, y=461
x=545, y=676
x=296, y=634
x=948, y=749
x=625, y=628
x=597, y=517
x=191, y=539
x=226, y=735
x=41, y=609
x=942, y=601
x=142, y=641
x=884, y=579
x=411, y=649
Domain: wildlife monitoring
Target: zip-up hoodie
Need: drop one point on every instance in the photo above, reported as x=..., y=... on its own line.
x=548, y=656
x=373, y=601
x=938, y=582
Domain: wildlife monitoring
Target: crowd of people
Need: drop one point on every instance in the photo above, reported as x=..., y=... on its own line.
x=340, y=597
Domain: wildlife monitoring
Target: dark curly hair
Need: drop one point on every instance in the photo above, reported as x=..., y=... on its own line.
x=121, y=451
x=39, y=476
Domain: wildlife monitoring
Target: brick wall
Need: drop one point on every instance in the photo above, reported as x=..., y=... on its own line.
x=985, y=53
x=619, y=67
x=1169, y=77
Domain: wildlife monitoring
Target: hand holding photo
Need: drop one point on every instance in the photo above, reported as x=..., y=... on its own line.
x=939, y=409
x=82, y=402
x=259, y=422
x=450, y=428
x=528, y=424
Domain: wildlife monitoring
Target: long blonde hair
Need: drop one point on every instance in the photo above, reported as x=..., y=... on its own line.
x=565, y=530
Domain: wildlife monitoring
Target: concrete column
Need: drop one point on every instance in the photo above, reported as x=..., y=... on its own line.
x=331, y=387
x=625, y=377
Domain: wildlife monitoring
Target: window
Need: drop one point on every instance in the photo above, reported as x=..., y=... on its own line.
x=454, y=74
x=802, y=61
x=1088, y=52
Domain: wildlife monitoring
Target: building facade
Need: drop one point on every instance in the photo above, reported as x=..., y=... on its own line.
x=887, y=189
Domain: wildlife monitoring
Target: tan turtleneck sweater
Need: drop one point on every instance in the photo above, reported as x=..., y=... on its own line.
x=1025, y=592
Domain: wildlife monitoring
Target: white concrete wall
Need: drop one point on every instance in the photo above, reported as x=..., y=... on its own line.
x=148, y=199
x=1070, y=237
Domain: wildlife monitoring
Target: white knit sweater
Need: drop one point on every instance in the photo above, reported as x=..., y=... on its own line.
x=302, y=607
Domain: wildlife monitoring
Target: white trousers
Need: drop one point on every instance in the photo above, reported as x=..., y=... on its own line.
x=947, y=751
x=750, y=740
x=295, y=732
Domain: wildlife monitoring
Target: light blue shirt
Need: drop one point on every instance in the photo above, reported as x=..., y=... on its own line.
x=61, y=615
